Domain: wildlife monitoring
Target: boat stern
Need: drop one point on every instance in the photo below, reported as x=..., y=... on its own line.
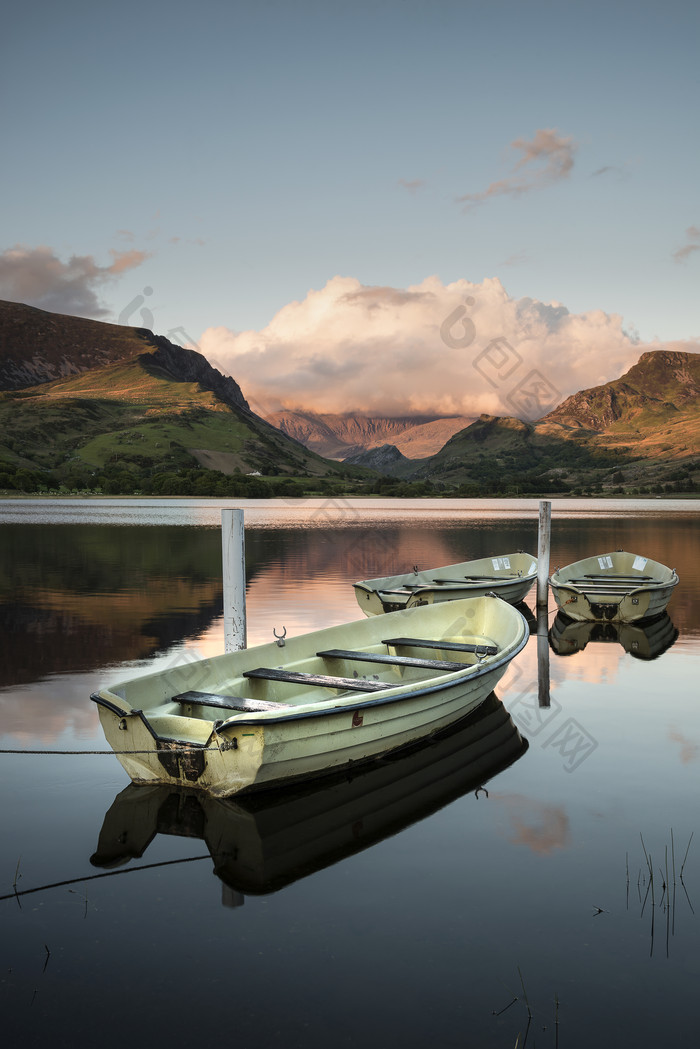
x=182, y=751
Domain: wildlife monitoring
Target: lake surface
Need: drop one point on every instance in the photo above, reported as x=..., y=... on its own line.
x=494, y=885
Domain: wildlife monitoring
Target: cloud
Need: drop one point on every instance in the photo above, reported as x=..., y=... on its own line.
x=452, y=349
x=541, y=827
x=689, y=750
x=515, y=260
x=693, y=237
x=547, y=159
x=37, y=277
x=413, y=185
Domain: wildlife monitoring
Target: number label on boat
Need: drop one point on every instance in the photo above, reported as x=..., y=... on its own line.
x=639, y=563
x=500, y=562
x=605, y=562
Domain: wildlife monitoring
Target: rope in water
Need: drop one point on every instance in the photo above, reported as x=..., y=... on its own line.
x=105, y=874
x=110, y=753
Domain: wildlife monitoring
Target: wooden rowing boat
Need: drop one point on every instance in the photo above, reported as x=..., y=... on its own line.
x=322, y=701
x=510, y=576
x=261, y=842
x=617, y=586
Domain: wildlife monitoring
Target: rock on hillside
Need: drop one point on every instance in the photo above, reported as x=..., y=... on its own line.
x=191, y=366
x=382, y=459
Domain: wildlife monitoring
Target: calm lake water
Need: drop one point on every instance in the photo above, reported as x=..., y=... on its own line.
x=492, y=885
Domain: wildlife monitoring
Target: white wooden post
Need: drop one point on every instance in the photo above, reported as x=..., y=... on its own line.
x=233, y=566
x=544, y=535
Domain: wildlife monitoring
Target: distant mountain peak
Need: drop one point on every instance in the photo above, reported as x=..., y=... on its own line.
x=338, y=436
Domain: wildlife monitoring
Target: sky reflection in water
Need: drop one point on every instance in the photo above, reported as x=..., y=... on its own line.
x=401, y=907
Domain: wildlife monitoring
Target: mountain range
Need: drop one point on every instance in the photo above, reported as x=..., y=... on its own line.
x=343, y=436
x=85, y=404
x=642, y=428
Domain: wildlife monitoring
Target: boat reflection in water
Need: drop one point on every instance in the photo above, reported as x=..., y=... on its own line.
x=647, y=639
x=263, y=842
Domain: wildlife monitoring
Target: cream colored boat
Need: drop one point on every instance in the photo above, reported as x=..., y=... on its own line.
x=510, y=576
x=618, y=586
x=325, y=700
x=262, y=842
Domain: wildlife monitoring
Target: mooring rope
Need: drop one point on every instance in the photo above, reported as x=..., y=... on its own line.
x=105, y=874
x=169, y=750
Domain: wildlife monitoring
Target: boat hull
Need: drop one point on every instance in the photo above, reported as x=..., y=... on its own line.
x=262, y=842
x=618, y=586
x=303, y=736
x=510, y=576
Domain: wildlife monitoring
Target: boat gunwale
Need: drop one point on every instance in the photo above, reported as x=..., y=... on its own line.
x=365, y=584
x=339, y=704
x=622, y=591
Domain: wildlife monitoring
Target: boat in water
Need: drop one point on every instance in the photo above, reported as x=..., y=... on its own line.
x=260, y=843
x=510, y=576
x=617, y=586
x=312, y=704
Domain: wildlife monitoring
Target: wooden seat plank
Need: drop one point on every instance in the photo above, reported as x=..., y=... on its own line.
x=612, y=575
x=323, y=680
x=447, y=646
x=213, y=699
x=478, y=579
x=396, y=661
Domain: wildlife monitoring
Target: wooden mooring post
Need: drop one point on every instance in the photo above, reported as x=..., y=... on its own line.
x=233, y=567
x=544, y=536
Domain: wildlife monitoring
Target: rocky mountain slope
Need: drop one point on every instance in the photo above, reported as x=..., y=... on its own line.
x=37, y=347
x=96, y=394
x=641, y=428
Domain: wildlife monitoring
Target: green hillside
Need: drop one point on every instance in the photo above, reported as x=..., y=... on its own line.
x=133, y=425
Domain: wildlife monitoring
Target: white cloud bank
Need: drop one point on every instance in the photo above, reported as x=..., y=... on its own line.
x=460, y=348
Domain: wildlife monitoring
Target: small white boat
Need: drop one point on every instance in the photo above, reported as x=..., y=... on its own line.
x=510, y=576
x=261, y=842
x=617, y=586
x=264, y=716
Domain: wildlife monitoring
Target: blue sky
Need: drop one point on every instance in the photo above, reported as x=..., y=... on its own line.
x=231, y=157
